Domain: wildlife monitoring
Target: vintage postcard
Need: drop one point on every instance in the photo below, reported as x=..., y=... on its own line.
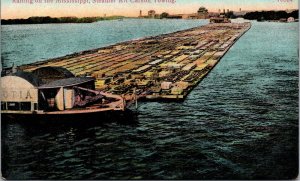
x=149, y=89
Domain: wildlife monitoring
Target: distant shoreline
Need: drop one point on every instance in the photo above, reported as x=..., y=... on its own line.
x=255, y=15
x=60, y=20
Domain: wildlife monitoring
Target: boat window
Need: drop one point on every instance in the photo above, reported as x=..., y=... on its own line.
x=13, y=106
x=35, y=106
x=26, y=106
x=3, y=105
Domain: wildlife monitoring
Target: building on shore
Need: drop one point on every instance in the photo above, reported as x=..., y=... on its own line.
x=202, y=13
x=151, y=14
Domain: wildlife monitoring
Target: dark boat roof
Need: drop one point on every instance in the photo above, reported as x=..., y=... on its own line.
x=66, y=82
x=60, y=70
x=34, y=80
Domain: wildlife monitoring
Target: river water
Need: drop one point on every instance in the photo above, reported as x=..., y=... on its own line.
x=240, y=122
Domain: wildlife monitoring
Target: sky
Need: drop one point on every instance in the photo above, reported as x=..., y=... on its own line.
x=11, y=9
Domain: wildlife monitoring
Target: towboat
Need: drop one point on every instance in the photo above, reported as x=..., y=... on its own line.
x=55, y=94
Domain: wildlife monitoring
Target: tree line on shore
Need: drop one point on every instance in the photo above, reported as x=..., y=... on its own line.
x=271, y=15
x=257, y=15
x=48, y=19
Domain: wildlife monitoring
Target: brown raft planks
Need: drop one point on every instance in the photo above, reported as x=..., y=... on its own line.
x=184, y=58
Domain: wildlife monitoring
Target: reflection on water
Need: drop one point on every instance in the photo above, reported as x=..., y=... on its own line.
x=240, y=122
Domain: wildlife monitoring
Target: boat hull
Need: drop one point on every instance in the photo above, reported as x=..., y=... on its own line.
x=103, y=116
